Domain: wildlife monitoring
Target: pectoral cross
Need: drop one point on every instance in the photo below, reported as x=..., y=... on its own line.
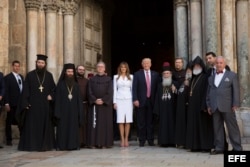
x=41, y=88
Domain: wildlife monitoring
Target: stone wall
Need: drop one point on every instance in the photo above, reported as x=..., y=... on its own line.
x=17, y=33
x=4, y=42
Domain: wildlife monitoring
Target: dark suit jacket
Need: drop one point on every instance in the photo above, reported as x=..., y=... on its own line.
x=12, y=91
x=139, y=87
x=226, y=95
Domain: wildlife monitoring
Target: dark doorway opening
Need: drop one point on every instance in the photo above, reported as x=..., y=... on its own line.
x=142, y=28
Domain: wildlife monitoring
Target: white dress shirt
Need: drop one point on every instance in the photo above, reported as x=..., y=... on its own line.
x=218, y=78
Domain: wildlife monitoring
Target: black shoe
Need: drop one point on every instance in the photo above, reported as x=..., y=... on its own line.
x=1, y=146
x=214, y=152
x=151, y=144
x=9, y=143
x=141, y=144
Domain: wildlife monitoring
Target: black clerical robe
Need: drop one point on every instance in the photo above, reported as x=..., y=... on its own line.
x=100, y=117
x=181, y=115
x=199, y=134
x=164, y=107
x=69, y=114
x=37, y=128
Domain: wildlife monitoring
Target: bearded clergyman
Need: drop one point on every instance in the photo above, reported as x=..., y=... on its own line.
x=34, y=113
x=68, y=110
x=164, y=108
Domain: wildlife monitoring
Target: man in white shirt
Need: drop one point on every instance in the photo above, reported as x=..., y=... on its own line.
x=222, y=100
x=13, y=89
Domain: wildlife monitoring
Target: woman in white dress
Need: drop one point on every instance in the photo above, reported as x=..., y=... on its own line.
x=123, y=101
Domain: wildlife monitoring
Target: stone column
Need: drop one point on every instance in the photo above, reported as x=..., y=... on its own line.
x=32, y=7
x=211, y=24
x=41, y=31
x=242, y=51
x=68, y=31
x=51, y=38
x=196, y=34
x=181, y=28
x=227, y=31
x=59, y=42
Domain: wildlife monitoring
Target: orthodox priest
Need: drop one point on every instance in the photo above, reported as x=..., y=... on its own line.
x=199, y=134
x=100, y=117
x=35, y=109
x=68, y=110
x=164, y=108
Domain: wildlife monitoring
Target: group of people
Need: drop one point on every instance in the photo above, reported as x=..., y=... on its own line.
x=190, y=106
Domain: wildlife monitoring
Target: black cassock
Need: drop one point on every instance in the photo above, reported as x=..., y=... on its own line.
x=181, y=115
x=69, y=115
x=164, y=107
x=100, y=117
x=36, y=122
x=199, y=123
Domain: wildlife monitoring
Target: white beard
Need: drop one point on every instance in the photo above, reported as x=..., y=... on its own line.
x=197, y=71
x=166, y=81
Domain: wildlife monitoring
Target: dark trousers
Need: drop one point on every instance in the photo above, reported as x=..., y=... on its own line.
x=10, y=120
x=145, y=122
x=233, y=130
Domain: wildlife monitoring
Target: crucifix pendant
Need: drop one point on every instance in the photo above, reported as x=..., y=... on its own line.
x=70, y=96
x=190, y=93
x=41, y=88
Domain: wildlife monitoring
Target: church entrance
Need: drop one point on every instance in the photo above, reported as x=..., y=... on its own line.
x=142, y=28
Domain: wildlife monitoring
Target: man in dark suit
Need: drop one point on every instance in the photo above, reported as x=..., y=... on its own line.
x=13, y=89
x=1, y=95
x=211, y=61
x=144, y=88
x=222, y=100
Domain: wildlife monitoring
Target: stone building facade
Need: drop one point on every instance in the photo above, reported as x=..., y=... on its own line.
x=79, y=31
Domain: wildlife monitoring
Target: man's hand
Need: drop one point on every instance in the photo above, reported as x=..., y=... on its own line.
x=49, y=97
x=7, y=107
x=99, y=102
x=1, y=97
x=115, y=106
x=173, y=88
x=235, y=108
x=209, y=111
x=136, y=103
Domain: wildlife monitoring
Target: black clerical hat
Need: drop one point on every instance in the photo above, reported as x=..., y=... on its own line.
x=69, y=66
x=166, y=67
x=41, y=57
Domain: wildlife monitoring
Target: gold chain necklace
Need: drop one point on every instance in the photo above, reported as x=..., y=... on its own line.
x=40, y=83
x=193, y=85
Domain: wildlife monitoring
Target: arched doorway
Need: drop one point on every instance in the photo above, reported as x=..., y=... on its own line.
x=142, y=28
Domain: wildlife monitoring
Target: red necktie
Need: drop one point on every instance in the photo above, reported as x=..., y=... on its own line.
x=148, y=84
x=218, y=72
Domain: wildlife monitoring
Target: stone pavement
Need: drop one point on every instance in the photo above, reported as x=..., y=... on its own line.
x=133, y=156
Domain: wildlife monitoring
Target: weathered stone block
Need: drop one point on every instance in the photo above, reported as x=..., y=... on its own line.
x=1, y=15
x=17, y=34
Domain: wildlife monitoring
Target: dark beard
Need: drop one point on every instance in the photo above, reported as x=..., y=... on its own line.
x=70, y=81
x=40, y=72
x=80, y=76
